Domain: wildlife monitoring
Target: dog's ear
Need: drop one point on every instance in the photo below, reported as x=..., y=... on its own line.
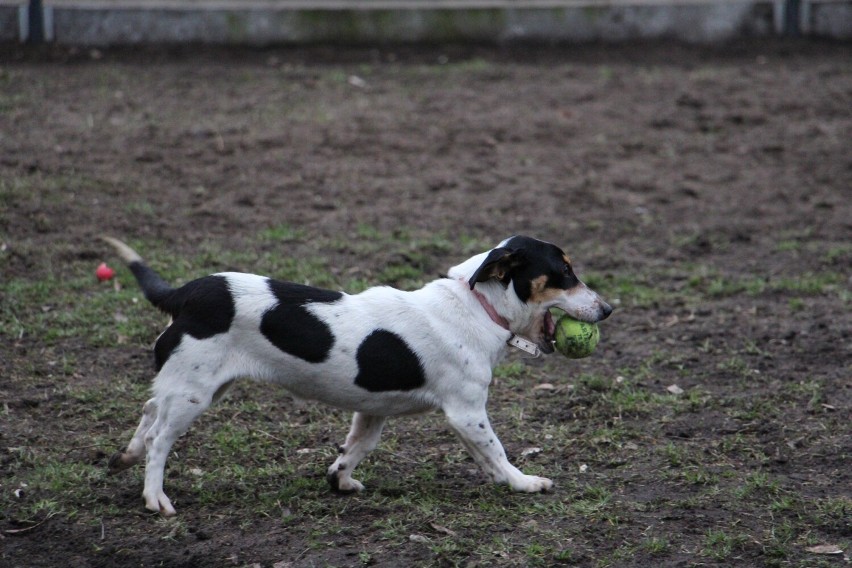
x=498, y=264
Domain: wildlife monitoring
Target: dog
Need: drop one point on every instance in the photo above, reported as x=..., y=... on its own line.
x=380, y=353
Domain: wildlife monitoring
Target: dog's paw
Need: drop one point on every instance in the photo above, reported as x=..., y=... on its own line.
x=532, y=484
x=350, y=486
x=159, y=503
x=118, y=462
x=345, y=485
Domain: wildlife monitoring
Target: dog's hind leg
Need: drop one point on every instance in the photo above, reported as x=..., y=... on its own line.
x=179, y=400
x=174, y=418
x=135, y=450
x=363, y=437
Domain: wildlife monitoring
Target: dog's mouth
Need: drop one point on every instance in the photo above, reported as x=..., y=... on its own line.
x=548, y=332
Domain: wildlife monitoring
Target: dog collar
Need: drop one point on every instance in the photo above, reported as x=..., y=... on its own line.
x=516, y=340
x=489, y=309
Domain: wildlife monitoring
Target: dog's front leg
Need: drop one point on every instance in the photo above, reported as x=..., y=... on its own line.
x=475, y=432
x=362, y=439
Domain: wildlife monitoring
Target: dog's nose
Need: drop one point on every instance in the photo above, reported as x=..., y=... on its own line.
x=606, y=309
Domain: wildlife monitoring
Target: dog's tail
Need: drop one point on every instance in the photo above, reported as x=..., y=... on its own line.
x=156, y=290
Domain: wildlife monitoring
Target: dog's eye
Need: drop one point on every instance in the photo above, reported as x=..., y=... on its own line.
x=566, y=269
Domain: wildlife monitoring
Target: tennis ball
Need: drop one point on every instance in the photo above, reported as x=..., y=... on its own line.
x=576, y=339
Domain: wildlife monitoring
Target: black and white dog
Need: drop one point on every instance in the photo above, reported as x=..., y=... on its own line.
x=380, y=353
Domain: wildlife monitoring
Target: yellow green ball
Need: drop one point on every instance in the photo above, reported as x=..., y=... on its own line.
x=576, y=339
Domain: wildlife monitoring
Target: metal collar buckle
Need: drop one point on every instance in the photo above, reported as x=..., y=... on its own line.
x=524, y=345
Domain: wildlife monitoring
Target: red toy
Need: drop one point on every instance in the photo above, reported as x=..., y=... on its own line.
x=104, y=272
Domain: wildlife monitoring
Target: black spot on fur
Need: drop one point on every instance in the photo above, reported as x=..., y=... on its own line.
x=292, y=328
x=156, y=290
x=202, y=308
x=166, y=345
x=387, y=363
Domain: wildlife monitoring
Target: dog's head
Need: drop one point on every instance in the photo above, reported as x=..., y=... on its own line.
x=523, y=278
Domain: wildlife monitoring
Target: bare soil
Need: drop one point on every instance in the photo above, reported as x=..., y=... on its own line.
x=705, y=191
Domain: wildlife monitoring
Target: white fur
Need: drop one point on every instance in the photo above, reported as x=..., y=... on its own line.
x=444, y=324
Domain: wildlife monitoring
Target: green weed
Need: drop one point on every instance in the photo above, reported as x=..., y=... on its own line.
x=655, y=545
x=633, y=291
x=721, y=545
x=809, y=283
x=282, y=233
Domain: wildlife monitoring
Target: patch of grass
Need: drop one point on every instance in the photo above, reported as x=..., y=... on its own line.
x=512, y=374
x=237, y=459
x=826, y=283
x=721, y=545
x=65, y=302
x=594, y=502
x=735, y=366
x=655, y=545
x=835, y=254
x=758, y=485
x=141, y=209
x=699, y=476
x=675, y=455
x=777, y=542
x=402, y=275
x=628, y=291
x=369, y=233
x=76, y=308
x=831, y=513
x=788, y=245
x=282, y=233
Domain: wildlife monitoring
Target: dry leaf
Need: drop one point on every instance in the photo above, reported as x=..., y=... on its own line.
x=544, y=387
x=29, y=528
x=825, y=549
x=444, y=530
x=530, y=452
x=674, y=389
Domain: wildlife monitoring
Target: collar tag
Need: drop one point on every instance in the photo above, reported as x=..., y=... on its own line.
x=524, y=345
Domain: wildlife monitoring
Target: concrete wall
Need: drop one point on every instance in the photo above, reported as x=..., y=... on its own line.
x=100, y=23
x=832, y=19
x=9, y=22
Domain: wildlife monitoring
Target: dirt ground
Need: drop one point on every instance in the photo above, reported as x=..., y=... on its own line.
x=705, y=191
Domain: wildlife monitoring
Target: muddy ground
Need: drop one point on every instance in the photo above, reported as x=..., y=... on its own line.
x=704, y=191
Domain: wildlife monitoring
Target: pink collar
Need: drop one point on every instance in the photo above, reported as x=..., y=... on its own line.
x=516, y=340
x=489, y=309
